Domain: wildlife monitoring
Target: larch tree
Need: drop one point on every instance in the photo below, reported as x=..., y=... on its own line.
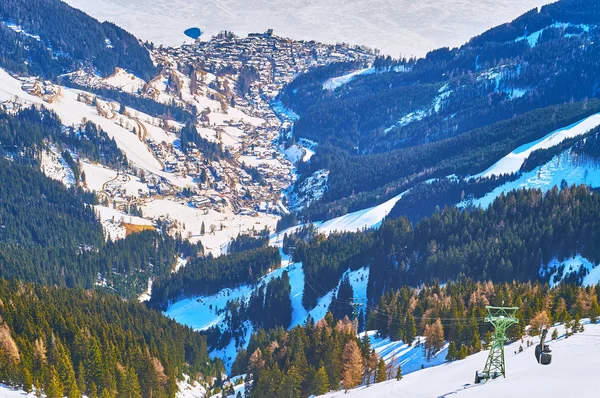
x=434, y=335
x=381, y=371
x=352, y=365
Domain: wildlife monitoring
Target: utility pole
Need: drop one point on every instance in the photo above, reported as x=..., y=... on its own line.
x=501, y=318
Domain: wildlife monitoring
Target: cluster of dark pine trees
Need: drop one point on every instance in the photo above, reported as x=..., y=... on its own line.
x=210, y=150
x=268, y=307
x=71, y=342
x=91, y=142
x=519, y=232
x=26, y=133
x=68, y=39
x=208, y=275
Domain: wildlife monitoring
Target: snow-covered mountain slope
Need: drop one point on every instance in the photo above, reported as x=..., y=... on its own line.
x=201, y=313
x=54, y=166
x=396, y=27
x=339, y=81
x=559, y=270
x=7, y=392
x=562, y=167
x=512, y=162
x=371, y=217
x=572, y=373
x=410, y=357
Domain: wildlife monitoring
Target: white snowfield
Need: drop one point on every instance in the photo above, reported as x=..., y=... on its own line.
x=351, y=222
x=54, y=166
x=406, y=27
x=339, y=81
x=125, y=81
x=572, y=373
x=191, y=219
x=512, y=162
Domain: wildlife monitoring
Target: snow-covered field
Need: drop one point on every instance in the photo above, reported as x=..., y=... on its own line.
x=573, y=373
x=7, y=392
x=125, y=81
x=396, y=27
x=112, y=220
x=191, y=219
x=54, y=166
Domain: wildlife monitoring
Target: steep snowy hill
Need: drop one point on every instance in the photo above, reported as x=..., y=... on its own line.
x=407, y=27
x=571, y=374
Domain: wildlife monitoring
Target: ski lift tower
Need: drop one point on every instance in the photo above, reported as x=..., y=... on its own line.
x=501, y=318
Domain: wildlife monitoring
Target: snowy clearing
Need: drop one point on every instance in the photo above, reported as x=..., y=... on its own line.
x=125, y=81
x=112, y=221
x=191, y=219
x=54, y=166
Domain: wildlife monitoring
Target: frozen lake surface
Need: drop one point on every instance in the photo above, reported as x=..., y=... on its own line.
x=396, y=27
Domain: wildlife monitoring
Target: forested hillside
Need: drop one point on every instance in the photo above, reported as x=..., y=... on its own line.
x=70, y=342
x=379, y=131
x=514, y=239
x=50, y=233
x=208, y=275
x=48, y=38
x=328, y=355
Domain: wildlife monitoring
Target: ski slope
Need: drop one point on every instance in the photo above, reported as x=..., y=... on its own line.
x=203, y=312
x=351, y=222
x=512, y=162
x=563, y=167
x=396, y=27
x=336, y=82
x=572, y=265
x=411, y=357
x=573, y=373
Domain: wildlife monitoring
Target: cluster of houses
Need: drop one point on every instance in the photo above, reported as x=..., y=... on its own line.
x=276, y=61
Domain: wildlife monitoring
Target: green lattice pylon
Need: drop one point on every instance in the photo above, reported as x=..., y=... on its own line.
x=501, y=318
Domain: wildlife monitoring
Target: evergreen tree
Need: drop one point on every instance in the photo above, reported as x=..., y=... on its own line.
x=410, y=329
x=451, y=355
x=321, y=382
x=399, y=373
x=27, y=381
x=341, y=305
x=81, y=378
x=54, y=388
x=290, y=384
